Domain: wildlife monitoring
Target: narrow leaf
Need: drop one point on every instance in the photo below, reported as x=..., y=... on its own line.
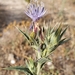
x=20, y=68
x=24, y=34
x=63, y=32
x=42, y=61
x=63, y=41
x=58, y=31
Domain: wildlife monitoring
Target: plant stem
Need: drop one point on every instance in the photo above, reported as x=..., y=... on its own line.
x=38, y=64
x=38, y=69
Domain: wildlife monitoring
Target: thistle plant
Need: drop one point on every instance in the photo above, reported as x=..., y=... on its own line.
x=35, y=11
x=43, y=41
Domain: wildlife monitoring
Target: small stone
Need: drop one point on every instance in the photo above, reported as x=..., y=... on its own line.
x=13, y=61
x=11, y=58
x=49, y=63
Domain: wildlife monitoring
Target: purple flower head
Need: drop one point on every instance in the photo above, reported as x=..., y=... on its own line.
x=35, y=11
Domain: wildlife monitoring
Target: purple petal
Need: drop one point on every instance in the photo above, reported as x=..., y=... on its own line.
x=43, y=13
x=35, y=11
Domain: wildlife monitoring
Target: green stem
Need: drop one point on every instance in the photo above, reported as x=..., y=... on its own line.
x=38, y=64
x=38, y=69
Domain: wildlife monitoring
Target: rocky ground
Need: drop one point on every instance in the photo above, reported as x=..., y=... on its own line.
x=12, y=14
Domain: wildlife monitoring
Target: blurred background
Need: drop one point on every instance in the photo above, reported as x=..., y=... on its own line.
x=12, y=43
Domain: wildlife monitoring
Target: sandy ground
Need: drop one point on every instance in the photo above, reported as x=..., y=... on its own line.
x=13, y=10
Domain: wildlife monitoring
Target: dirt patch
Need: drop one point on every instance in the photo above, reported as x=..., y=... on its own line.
x=12, y=43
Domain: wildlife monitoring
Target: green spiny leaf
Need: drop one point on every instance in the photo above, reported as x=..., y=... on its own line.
x=63, y=41
x=58, y=31
x=44, y=53
x=42, y=61
x=53, y=39
x=35, y=47
x=20, y=68
x=63, y=32
x=53, y=48
x=30, y=65
x=24, y=34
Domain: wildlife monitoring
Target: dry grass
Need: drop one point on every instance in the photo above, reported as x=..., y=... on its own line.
x=13, y=42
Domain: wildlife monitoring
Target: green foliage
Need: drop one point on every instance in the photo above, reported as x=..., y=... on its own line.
x=31, y=66
x=52, y=38
x=27, y=37
x=20, y=68
x=42, y=61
